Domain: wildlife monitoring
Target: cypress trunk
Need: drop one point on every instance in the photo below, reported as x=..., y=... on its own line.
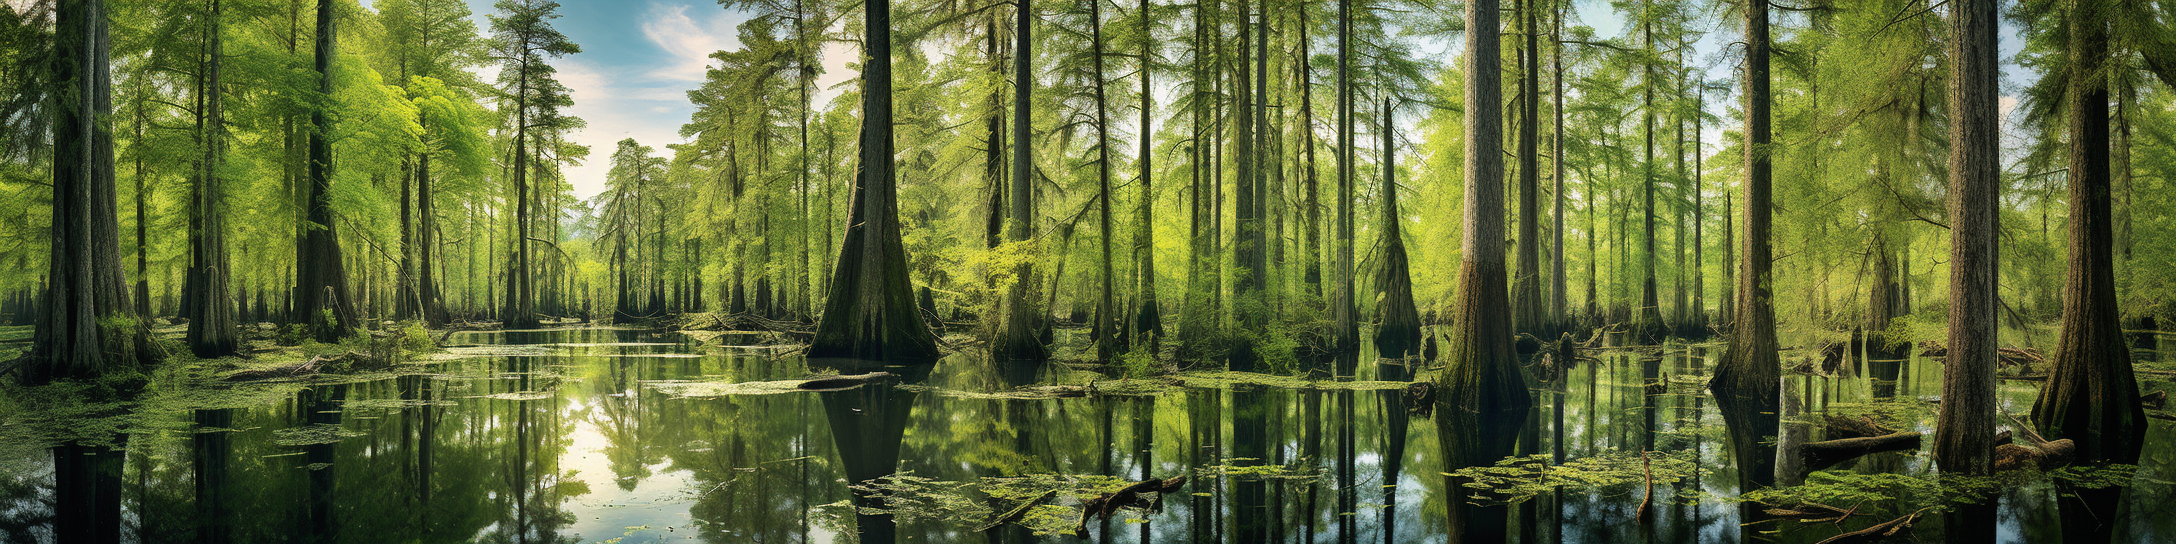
x=1343, y=309
x=871, y=313
x=1483, y=399
x=1746, y=380
x=321, y=297
x=1310, y=188
x=1148, y=322
x=212, y=324
x=1249, y=304
x=2091, y=396
x=85, y=325
x=1106, y=329
x=1021, y=318
x=1557, y=296
x=1965, y=440
x=1399, y=334
x=1647, y=326
x=1529, y=315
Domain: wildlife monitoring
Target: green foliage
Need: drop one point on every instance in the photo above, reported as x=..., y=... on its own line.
x=1139, y=362
x=414, y=338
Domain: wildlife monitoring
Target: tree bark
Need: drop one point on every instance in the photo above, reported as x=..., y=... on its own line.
x=1746, y=379
x=321, y=285
x=85, y=325
x=871, y=311
x=1399, y=334
x=1647, y=326
x=1148, y=322
x=1343, y=309
x=1018, y=335
x=2091, y=396
x=1558, y=304
x=212, y=324
x=1484, y=390
x=1529, y=315
x=1965, y=441
x=1106, y=316
x=1311, y=230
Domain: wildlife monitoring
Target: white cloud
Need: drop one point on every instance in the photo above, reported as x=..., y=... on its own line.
x=613, y=113
x=687, y=41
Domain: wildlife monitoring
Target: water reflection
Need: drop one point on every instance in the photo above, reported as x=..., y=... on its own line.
x=583, y=445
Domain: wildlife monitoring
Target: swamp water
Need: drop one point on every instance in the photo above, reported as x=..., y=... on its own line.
x=630, y=436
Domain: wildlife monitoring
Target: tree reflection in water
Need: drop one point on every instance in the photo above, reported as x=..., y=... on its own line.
x=584, y=444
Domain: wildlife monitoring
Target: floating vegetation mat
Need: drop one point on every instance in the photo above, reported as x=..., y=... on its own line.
x=1898, y=494
x=391, y=404
x=1228, y=379
x=711, y=388
x=511, y=350
x=516, y=395
x=319, y=433
x=1901, y=414
x=1048, y=504
x=1519, y=478
x=1031, y=392
x=1248, y=468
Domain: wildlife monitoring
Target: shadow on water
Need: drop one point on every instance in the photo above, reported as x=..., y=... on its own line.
x=594, y=434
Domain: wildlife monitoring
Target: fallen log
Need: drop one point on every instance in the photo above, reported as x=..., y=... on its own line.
x=1814, y=513
x=2043, y=456
x=1017, y=512
x=2036, y=452
x=1859, y=427
x=1878, y=531
x=1142, y=494
x=1828, y=453
x=313, y=366
x=845, y=381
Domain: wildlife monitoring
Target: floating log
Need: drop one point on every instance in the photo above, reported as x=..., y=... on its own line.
x=313, y=366
x=1814, y=512
x=1878, y=531
x=842, y=382
x=2043, y=456
x=1828, y=453
x=1859, y=427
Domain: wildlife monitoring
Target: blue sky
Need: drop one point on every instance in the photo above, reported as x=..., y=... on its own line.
x=640, y=57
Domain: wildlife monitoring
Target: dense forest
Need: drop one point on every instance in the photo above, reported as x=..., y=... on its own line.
x=1141, y=188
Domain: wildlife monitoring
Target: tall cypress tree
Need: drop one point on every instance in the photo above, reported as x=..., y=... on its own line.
x=1399, y=333
x=526, y=41
x=1966, y=442
x=212, y=324
x=1528, y=312
x=1746, y=380
x=2091, y=396
x=321, y=280
x=871, y=313
x=1020, y=318
x=85, y=325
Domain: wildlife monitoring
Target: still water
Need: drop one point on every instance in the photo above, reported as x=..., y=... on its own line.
x=632, y=436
